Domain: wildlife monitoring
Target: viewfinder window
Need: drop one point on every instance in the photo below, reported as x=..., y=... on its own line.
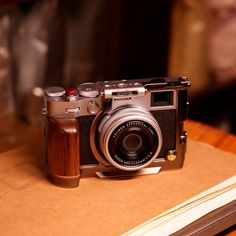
x=162, y=98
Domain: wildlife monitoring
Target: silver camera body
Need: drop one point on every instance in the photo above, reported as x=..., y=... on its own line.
x=115, y=127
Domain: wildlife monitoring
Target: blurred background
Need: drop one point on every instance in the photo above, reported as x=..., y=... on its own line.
x=65, y=43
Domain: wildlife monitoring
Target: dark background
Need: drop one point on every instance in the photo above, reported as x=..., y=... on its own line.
x=128, y=39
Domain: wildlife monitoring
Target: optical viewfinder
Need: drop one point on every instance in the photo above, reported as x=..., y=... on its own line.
x=162, y=98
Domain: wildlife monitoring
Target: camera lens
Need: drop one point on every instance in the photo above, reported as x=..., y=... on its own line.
x=132, y=143
x=130, y=139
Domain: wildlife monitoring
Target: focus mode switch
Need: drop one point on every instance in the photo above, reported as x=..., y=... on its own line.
x=93, y=107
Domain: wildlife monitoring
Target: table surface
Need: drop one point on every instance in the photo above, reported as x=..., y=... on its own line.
x=213, y=136
x=196, y=131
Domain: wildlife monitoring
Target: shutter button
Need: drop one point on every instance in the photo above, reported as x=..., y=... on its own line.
x=71, y=94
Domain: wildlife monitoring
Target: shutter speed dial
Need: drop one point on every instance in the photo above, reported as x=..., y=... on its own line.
x=54, y=92
x=90, y=90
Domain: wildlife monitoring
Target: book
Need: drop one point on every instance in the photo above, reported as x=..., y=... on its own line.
x=189, y=211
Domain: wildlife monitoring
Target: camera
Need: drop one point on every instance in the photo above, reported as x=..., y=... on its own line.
x=115, y=128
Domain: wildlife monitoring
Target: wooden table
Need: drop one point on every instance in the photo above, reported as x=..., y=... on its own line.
x=213, y=136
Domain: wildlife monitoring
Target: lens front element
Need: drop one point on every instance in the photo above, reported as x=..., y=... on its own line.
x=131, y=143
x=130, y=138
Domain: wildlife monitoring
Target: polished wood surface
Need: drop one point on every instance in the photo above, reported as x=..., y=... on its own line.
x=213, y=136
x=63, y=160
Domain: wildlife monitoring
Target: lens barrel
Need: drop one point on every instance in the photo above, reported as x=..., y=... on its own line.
x=130, y=138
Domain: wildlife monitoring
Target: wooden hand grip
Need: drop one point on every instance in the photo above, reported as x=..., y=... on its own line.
x=63, y=159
